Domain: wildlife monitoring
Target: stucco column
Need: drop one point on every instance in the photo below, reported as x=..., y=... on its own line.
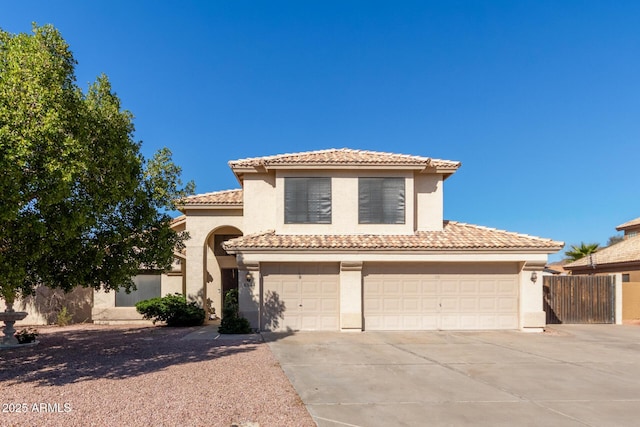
x=194, y=286
x=532, y=315
x=351, y=296
x=249, y=280
x=618, y=288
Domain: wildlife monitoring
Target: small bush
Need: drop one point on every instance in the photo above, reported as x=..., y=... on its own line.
x=26, y=335
x=63, y=318
x=232, y=322
x=174, y=310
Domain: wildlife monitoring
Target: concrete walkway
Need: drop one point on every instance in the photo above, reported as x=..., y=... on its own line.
x=571, y=376
x=210, y=332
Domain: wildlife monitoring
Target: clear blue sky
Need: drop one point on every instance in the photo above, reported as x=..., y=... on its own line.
x=540, y=100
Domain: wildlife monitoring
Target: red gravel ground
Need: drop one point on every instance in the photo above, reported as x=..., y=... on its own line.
x=90, y=375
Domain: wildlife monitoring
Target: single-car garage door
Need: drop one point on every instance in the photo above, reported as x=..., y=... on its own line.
x=447, y=297
x=300, y=297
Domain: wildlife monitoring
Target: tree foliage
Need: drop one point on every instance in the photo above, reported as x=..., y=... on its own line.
x=576, y=252
x=80, y=205
x=616, y=238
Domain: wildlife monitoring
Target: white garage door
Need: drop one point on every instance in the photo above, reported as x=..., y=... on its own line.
x=460, y=297
x=300, y=297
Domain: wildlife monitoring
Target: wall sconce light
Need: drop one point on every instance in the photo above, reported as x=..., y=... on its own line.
x=534, y=277
x=249, y=277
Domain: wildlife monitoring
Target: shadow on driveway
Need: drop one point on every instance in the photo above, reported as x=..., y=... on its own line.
x=89, y=352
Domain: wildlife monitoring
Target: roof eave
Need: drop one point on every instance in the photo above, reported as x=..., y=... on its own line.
x=460, y=251
x=209, y=206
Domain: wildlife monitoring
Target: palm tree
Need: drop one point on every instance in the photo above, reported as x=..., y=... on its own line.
x=577, y=252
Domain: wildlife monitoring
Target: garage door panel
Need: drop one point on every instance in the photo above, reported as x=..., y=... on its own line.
x=411, y=287
x=392, y=305
x=449, y=286
x=488, y=304
x=288, y=288
x=429, y=304
x=411, y=304
x=468, y=287
x=449, y=304
x=429, y=287
x=408, y=299
x=506, y=288
x=468, y=305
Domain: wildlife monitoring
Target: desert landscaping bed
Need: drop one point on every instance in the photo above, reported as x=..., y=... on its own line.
x=90, y=375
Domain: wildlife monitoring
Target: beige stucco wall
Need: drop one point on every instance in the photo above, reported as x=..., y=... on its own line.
x=344, y=204
x=351, y=296
x=202, y=266
x=429, y=202
x=45, y=304
x=104, y=309
x=532, y=315
x=631, y=300
x=259, y=194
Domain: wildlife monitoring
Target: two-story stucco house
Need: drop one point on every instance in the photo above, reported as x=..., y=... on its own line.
x=351, y=240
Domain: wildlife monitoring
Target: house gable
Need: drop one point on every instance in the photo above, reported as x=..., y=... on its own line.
x=264, y=180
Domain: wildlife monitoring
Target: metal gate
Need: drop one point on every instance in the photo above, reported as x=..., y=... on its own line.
x=579, y=299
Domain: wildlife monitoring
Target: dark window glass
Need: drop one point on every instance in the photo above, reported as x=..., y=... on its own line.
x=381, y=201
x=307, y=200
x=625, y=277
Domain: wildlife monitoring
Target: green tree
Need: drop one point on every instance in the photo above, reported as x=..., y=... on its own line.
x=616, y=238
x=80, y=205
x=577, y=252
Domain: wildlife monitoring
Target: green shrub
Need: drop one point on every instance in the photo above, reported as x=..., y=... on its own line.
x=26, y=335
x=172, y=309
x=232, y=322
x=63, y=318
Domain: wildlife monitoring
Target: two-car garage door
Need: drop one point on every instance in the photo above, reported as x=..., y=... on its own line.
x=454, y=297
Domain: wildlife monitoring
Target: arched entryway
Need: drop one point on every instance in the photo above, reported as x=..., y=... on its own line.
x=221, y=269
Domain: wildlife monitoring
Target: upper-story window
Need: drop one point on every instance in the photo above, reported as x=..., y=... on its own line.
x=307, y=200
x=381, y=201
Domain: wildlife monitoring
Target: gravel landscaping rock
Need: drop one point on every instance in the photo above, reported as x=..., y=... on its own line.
x=90, y=375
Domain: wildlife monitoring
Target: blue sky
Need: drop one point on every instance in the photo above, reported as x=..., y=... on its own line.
x=539, y=100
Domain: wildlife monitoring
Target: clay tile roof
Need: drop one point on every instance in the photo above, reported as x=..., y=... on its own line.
x=343, y=157
x=629, y=224
x=454, y=236
x=627, y=250
x=178, y=220
x=220, y=198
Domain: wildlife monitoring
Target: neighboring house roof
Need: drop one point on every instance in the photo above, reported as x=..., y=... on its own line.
x=217, y=198
x=629, y=224
x=179, y=220
x=626, y=251
x=454, y=236
x=344, y=157
x=556, y=267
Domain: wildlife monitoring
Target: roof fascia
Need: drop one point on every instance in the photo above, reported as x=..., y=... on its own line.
x=395, y=251
x=210, y=207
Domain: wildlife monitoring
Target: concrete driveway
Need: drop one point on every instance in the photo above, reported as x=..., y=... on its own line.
x=574, y=375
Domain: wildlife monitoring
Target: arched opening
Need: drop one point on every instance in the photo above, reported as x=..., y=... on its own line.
x=221, y=269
